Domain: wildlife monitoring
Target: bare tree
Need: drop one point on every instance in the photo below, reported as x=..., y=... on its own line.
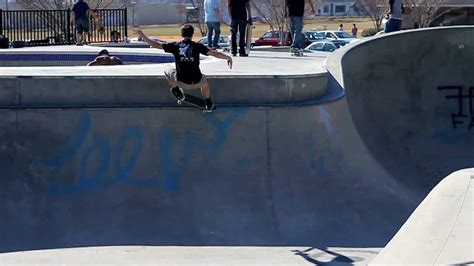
x=375, y=9
x=272, y=12
x=312, y=6
x=198, y=5
x=61, y=4
x=423, y=11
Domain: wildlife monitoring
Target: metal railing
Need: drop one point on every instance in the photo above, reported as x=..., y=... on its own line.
x=54, y=27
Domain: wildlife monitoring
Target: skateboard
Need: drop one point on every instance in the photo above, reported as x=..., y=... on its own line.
x=223, y=49
x=248, y=38
x=194, y=101
x=297, y=53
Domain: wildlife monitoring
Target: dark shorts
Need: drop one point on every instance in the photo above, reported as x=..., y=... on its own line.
x=82, y=25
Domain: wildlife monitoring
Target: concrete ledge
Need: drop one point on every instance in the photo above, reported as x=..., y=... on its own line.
x=440, y=231
x=260, y=80
x=30, y=92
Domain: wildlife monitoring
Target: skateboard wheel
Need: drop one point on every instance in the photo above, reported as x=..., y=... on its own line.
x=179, y=102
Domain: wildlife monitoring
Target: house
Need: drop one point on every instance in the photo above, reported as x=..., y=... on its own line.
x=455, y=12
x=336, y=8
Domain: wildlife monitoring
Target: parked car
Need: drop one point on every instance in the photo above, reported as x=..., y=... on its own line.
x=321, y=46
x=273, y=38
x=223, y=42
x=314, y=36
x=338, y=35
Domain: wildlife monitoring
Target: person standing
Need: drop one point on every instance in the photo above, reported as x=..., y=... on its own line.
x=354, y=30
x=239, y=11
x=294, y=10
x=395, y=16
x=80, y=15
x=213, y=19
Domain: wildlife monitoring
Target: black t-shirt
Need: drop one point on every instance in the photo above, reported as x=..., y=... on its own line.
x=238, y=9
x=186, y=55
x=295, y=8
x=80, y=10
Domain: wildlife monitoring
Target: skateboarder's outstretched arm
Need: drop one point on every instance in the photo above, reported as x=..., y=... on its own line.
x=154, y=43
x=221, y=56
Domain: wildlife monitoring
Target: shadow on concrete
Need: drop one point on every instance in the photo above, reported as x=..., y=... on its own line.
x=324, y=256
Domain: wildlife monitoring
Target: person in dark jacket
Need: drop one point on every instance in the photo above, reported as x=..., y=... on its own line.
x=80, y=16
x=240, y=14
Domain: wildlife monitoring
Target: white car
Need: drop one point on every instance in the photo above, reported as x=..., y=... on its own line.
x=223, y=42
x=338, y=35
x=321, y=46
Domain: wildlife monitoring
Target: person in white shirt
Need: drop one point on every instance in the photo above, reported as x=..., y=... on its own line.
x=213, y=19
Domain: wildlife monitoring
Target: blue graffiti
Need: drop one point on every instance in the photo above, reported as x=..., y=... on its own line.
x=173, y=170
x=220, y=136
x=71, y=149
x=120, y=160
x=123, y=169
x=222, y=127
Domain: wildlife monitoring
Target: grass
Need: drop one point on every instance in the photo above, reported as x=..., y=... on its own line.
x=171, y=32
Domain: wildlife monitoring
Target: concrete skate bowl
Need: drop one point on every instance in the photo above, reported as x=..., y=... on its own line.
x=410, y=97
x=292, y=173
x=19, y=58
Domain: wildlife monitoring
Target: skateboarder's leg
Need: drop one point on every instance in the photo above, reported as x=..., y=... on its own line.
x=242, y=28
x=205, y=90
x=298, y=27
x=233, y=29
x=206, y=94
x=170, y=74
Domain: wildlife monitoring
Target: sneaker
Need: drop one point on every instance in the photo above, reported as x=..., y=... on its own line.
x=234, y=54
x=178, y=93
x=209, y=105
x=243, y=55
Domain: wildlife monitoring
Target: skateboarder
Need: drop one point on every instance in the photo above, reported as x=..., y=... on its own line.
x=294, y=9
x=187, y=74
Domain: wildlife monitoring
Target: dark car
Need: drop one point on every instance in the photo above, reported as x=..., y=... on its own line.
x=314, y=36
